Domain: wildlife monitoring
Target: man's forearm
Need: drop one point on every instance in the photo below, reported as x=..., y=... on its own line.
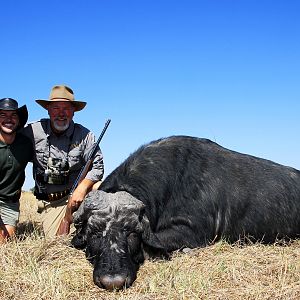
x=85, y=186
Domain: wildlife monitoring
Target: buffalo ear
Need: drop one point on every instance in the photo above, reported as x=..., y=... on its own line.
x=151, y=243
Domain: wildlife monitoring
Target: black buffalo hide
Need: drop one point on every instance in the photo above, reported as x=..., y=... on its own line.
x=182, y=192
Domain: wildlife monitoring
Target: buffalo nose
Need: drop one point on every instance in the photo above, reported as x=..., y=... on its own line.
x=111, y=282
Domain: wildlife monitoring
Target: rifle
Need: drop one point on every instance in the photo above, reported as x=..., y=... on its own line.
x=64, y=227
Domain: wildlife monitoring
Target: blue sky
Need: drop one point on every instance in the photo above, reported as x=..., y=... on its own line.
x=220, y=69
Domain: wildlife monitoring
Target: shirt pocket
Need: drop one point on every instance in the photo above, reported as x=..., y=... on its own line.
x=75, y=159
x=42, y=157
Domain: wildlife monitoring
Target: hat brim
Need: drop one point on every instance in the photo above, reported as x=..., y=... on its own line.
x=23, y=116
x=79, y=105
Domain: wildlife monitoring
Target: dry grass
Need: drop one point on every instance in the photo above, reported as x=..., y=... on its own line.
x=35, y=268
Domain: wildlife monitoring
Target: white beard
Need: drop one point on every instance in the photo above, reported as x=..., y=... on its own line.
x=61, y=127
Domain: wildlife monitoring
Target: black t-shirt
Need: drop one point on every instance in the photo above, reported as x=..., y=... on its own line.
x=13, y=161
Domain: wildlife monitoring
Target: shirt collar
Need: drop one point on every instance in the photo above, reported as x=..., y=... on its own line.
x=2, y=145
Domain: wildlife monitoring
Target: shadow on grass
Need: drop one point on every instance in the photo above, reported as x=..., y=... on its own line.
x=28, y=228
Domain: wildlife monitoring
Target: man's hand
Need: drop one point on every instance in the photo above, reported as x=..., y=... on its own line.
x=80, y=192
x=76, y=199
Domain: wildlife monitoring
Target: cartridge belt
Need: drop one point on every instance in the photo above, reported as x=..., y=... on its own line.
x=52, y=196
x=58, y=195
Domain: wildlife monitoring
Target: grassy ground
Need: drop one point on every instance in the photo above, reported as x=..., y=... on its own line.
x=35, y=268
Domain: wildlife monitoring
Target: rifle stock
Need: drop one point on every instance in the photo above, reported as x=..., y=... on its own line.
x=64, y=227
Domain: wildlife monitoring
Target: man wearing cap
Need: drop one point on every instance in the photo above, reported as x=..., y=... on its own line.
x=15, y=153
x=62, y=148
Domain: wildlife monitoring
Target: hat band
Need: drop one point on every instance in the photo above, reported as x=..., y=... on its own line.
x=61, y=98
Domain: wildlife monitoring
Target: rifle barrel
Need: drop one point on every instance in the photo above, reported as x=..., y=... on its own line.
x=92, y=154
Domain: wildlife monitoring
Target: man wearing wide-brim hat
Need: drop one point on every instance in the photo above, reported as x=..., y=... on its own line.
x=61, y=150
x=15, y=152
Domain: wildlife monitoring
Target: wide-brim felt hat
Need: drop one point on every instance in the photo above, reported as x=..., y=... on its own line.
x=62, y=93
x=12, y=104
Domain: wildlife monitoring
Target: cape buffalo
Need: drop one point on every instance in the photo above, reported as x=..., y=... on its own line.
x=180, y=192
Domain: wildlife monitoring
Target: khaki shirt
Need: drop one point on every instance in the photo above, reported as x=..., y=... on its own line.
x=74, y=145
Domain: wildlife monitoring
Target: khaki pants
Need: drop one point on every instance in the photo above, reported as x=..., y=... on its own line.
x=51, y=214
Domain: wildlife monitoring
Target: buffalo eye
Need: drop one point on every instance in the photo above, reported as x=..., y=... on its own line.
x=135, y=247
